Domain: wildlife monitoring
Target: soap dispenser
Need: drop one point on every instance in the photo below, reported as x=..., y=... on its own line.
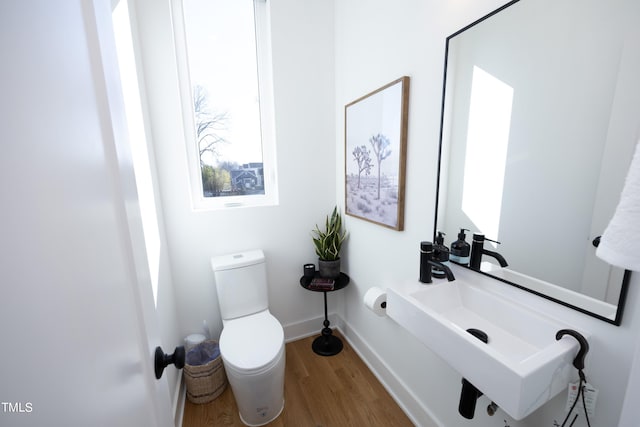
x=460, y=249
x=440, y=254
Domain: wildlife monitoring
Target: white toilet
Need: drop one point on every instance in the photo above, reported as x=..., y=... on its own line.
x=252, y=340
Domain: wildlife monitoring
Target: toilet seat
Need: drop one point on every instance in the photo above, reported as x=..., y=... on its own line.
x=252, y=344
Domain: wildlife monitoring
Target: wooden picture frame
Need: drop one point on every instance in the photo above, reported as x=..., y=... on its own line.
x=375, y=154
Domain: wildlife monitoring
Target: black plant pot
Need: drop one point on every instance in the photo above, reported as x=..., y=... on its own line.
x=329, y=269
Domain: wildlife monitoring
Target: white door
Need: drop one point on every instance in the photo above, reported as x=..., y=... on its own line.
x=77, y=320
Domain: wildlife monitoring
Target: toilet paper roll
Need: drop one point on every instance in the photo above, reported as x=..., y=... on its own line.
x=375, y=299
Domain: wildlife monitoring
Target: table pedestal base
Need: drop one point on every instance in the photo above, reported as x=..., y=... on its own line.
x=327, y=344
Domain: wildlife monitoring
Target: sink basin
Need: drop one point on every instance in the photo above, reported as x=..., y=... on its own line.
x=522, y=365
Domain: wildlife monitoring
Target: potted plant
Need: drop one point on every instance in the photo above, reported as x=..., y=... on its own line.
x=328, y=243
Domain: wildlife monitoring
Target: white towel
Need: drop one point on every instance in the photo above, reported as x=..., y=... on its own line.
x=620, y=242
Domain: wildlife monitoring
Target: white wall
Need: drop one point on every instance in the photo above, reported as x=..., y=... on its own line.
x=302, y=36
x=367, y=44
x=630, y=409
x=376, y=42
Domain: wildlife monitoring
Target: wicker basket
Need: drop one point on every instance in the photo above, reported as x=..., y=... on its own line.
x=205, y=382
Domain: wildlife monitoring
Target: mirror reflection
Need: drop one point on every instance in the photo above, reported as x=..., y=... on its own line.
x=538, y=130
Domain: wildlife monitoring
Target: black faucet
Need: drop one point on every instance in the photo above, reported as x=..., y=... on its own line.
x=427, y=261
x=477, y=250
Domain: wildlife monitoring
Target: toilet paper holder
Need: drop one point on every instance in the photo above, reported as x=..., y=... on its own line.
x=375, y=299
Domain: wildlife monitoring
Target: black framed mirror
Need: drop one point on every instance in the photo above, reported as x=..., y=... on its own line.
x=536, y=137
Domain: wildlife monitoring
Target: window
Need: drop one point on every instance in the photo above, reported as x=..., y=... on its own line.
x=225, y=78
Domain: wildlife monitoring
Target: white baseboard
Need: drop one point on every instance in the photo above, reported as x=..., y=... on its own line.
x=179, y=397
x=417, y=413
x=306, y=328
x=398, y=390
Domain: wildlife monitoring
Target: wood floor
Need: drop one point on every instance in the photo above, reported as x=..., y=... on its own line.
x=332, y=391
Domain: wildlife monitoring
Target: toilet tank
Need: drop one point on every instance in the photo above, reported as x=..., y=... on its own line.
x=241, y=283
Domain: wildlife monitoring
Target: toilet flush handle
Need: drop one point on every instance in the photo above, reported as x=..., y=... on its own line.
x=162, y=360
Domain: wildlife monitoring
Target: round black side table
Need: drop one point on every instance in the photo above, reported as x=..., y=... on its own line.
x=326, y=344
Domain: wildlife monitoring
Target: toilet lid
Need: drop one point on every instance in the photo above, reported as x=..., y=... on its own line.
x=249, y=343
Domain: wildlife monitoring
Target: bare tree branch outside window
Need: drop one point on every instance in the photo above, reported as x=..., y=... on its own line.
x=208, y=124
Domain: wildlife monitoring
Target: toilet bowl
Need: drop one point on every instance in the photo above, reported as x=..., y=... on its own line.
x=252, y=349
x=252, y=339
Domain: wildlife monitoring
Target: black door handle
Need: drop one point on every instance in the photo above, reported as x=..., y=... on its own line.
x=162, y=360
x=596, y=241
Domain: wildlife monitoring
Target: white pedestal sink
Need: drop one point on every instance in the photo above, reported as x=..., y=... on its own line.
x=521, y=367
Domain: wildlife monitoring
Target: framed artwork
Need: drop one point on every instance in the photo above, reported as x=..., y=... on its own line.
x=375, y=154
